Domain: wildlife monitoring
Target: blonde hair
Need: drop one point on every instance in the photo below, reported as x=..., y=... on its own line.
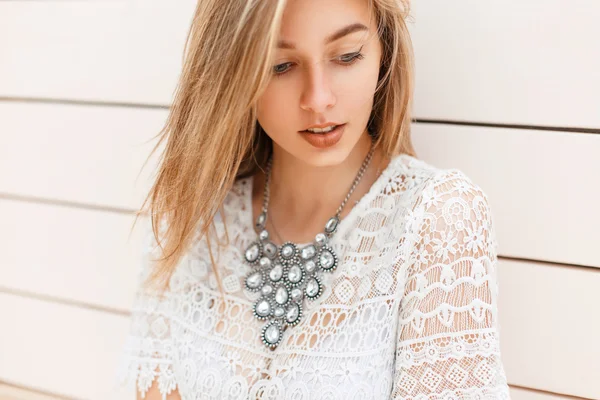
x=212, y=137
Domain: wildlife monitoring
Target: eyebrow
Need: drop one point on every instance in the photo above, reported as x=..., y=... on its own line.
x=355, y=27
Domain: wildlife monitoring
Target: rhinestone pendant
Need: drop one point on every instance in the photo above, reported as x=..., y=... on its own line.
x=271, y=333
x=327, y=259
x=313, y=288
x=332, y=224
x=284, y=277
x=276, y=272
x=253, y=252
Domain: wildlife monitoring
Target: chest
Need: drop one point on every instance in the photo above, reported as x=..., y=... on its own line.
x=342, y=349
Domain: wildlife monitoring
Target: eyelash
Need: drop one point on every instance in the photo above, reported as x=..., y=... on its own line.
x=354, y=57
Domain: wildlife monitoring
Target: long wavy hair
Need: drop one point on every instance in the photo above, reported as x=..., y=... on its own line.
x=211, y=136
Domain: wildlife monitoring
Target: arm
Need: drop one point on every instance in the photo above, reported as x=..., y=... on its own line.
x=155, y=394
x=448, y=341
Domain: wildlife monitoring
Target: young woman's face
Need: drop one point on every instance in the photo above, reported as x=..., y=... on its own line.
x=322, y=74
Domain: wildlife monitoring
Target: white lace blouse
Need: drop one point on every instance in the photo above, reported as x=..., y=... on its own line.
x=409, y=313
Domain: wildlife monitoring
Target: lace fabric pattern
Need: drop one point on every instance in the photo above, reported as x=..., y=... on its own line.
x=410, y=312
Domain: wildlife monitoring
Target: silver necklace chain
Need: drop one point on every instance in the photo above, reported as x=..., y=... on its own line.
x=285, y=275
x=359, y=175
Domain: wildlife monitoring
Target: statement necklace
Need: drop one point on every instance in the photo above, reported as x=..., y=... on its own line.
x=286, y=275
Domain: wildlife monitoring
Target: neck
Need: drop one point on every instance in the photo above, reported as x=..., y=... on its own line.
x=303, y=197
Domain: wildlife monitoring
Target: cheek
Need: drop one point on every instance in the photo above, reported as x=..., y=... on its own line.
x=357, y=99
x=274, y=110
x=355, y=93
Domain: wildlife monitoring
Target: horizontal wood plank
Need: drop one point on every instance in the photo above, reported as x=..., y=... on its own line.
x=10, y=392
x=549, y=327
x=69, y=254
x=75, y=153
x=523, y=62
x=71, y=351
x=110, y=51
x=528, y=394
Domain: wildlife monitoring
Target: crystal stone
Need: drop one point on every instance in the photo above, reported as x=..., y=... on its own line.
x=272, y=334
x=331, y=224
x=252, y=252
x=270, y=250
x=265, y=262
x=310, y=266
x=266, y=290
x=254, y=280
x=276, y=273
x=312, y=288
x=295, y=274
x=279, y=311
x=263, y=308
x=263, y=235
x=296, y=294
x=321, y=239
x=260, y=222
x=287, y=251
x=308, y=252
x=293, y=312
x=326, y=259
x=281, y=295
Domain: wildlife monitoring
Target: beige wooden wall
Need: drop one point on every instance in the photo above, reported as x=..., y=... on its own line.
x=508, y=91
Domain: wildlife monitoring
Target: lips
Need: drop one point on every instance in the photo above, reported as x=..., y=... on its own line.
x=306, y=130
x=324, y=140
x=321, y=126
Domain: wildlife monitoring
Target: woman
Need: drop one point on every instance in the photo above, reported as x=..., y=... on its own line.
x=305, y=252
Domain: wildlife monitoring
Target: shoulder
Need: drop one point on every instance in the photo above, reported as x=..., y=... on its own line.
x=442, y=202
x=431, y=186
x=454, y=195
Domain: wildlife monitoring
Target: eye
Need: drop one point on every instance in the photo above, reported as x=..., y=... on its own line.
x=349, y=59
x=278, y=70
x=345, y=60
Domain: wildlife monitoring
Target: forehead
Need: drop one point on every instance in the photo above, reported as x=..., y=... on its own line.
x=308, y=23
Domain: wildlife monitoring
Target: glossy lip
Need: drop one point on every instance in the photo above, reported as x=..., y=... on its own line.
x=321, y=126
x=324, y=140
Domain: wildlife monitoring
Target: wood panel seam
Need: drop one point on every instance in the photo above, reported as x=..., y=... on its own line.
x=64, y=301
x=65, y=203
x=549, y=263
x=511, y=126
x=34, y=391
x=541, y=391
x=81, y=102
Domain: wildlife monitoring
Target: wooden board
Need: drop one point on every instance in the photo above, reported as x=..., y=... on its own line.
x=70, y=351
x=8, y=392
x=81, y=154
x=528, y=394
x=549, y=327
x=524, y=62
x=69, y=254
x=109, y=51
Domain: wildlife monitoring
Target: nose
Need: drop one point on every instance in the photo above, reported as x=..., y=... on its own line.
x=317, y=94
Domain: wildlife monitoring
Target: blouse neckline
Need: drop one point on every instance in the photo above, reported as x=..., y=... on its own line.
x=343, y=224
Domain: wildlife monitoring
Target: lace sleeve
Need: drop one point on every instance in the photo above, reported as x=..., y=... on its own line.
x=447, y=340
x=147, y=353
